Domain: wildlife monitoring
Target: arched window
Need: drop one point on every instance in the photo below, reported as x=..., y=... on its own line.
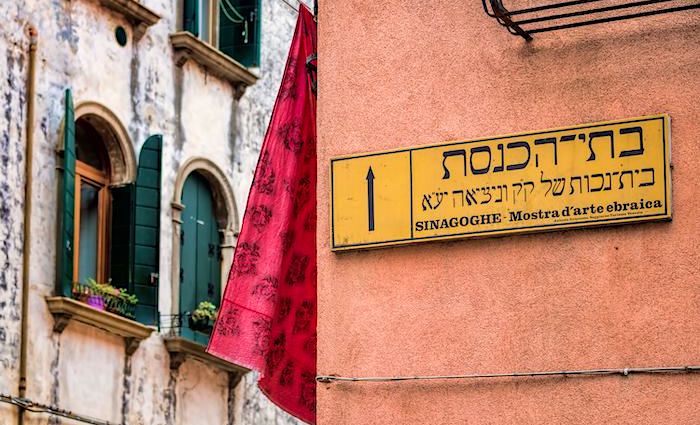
x=205, y=222
x=92, y=204
x=108, y=212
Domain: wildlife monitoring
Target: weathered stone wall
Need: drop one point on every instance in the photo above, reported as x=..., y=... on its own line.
x=12, y=93
x=85, y=369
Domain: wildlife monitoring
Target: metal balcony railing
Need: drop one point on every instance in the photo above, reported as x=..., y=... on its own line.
x=578, y=13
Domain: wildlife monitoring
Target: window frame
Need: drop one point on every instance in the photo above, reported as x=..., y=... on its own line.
x=213, y=20
x=213, y=34
x=99, y=179
x=227, y=216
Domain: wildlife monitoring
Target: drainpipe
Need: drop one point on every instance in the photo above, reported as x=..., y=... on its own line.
x=28, y=158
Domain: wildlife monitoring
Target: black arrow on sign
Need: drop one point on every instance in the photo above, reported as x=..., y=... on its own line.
x=370, y=198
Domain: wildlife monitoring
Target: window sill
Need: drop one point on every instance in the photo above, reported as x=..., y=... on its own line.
x=180, y=348
x=187, y=47
x=66, y=309
x=140, y=16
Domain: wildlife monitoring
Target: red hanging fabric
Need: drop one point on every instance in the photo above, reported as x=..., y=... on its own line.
x=267, y=320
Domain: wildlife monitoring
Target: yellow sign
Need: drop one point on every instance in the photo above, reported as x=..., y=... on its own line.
x=588, y=175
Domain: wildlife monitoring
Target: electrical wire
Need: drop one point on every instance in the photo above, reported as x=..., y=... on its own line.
x=242, y=20
x=585, y=372
x=233, y=9
x=291, y=6
x=31, y=406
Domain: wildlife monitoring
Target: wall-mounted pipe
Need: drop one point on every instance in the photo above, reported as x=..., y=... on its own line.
x=26, y=248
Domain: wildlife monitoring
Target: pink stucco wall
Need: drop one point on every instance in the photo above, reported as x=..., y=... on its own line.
x=397, y=73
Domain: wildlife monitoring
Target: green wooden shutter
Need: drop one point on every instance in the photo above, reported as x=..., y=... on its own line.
x=191, y=16
x=147, y=230
x=208, y=243
x=136, y=233
x=238, y=39
x=200, y=252
x=188, y=252
x=66, y=207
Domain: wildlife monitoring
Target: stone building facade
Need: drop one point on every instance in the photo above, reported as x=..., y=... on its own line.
x=139, y=86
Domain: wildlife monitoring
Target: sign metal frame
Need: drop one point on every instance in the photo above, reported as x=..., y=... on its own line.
x=666, y=215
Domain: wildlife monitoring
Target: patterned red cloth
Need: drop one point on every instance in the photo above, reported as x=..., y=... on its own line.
x=267, y=320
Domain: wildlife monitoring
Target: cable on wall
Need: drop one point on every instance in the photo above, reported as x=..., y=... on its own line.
x=299, y=3
x=31, y=406
x=326, y=379
x=291, y=6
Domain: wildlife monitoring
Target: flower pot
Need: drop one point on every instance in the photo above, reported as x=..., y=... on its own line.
x=205, y=326
x=118, y=306
x=95, y=301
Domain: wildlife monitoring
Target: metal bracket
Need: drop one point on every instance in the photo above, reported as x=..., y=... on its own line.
x=311, y=69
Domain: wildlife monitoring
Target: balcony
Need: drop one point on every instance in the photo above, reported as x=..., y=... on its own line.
x=187, y=46
x=66, y=309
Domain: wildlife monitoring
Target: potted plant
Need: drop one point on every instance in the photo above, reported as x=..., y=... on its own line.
x=89, y=294
x=104, y=296
x=203, y=317
x=121, y=302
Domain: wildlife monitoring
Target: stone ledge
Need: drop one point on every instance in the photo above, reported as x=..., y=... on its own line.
x=180, y=348
x=187, y=47
x=66, y=309
x=139, y=15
